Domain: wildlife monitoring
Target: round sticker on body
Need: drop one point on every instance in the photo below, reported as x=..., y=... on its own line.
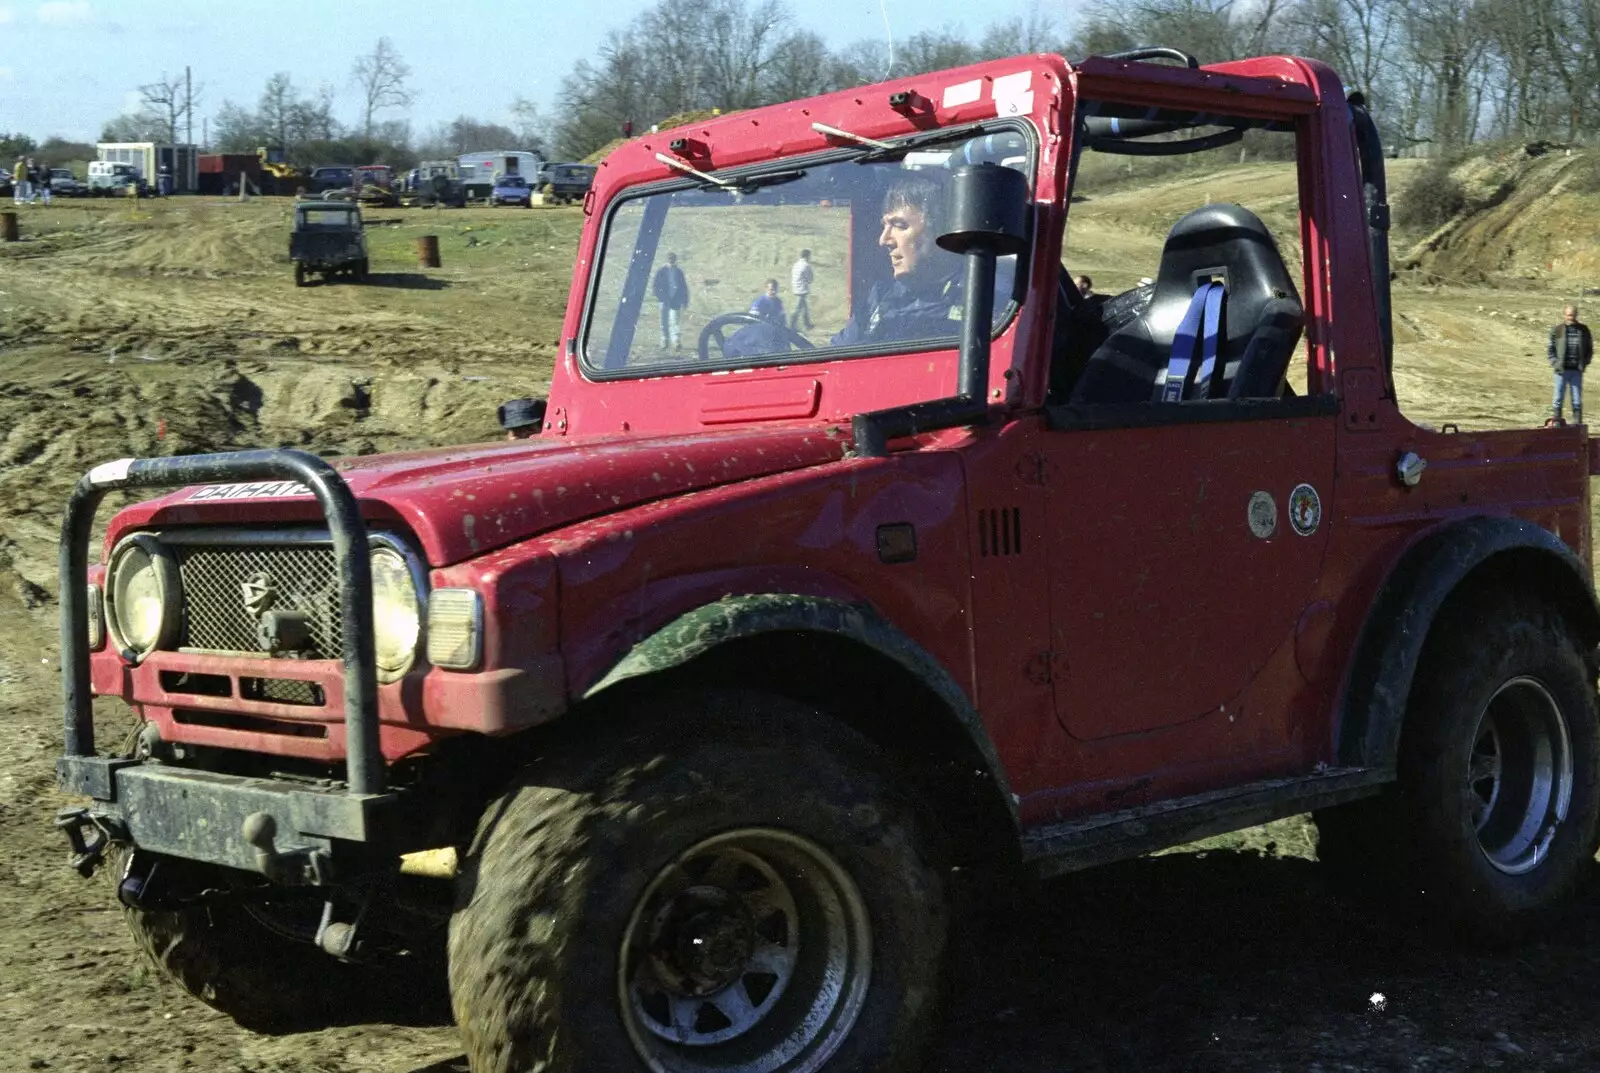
x=1262, y=514
x=1305, y=509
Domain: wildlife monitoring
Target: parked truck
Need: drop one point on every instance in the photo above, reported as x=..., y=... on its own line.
x=680, y=725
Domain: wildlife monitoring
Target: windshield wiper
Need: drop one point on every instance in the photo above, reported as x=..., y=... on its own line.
x=767, y=178
x=744, y=184
x=895, y=151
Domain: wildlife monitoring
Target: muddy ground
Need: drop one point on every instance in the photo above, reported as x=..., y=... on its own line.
x=176, y=327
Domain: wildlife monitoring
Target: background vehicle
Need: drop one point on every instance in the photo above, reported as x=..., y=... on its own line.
x=438, y=188
x=327, y=238
x=478, y=171
x=113, y=178
x=511, y=190
x=65, y=184
x=331, y=177
x=774, y=645
x=286, y=178
x=379, y=175
x=566, y=182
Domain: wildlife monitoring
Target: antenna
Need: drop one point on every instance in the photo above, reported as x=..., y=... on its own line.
x=888, y=32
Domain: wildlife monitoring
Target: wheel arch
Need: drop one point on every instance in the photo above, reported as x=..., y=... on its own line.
x=1476, y=553
x=846, y=659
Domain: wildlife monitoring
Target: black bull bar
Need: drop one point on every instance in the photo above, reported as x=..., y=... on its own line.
x=81, y=771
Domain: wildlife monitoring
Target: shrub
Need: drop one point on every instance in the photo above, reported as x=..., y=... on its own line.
x=1431, y=199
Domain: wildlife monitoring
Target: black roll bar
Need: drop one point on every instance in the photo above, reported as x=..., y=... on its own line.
x=364, y=759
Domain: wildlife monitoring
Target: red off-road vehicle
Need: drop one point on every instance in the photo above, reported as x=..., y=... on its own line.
x=708, y=696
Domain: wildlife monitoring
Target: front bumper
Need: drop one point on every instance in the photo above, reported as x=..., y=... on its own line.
x=293, y=833
x=287, y=830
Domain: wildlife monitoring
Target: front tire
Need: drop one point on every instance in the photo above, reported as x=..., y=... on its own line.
x=242, y=962
x=746, y=894
x=299, y=275
x=1493, y=819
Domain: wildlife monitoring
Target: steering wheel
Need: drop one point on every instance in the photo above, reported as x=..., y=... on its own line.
x=719, y=323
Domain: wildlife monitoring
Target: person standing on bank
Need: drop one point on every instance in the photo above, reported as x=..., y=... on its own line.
x=672, y=291
x=800, y=285
x=1571, y=348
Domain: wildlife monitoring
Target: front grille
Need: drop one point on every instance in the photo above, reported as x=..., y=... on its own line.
x=299, y=577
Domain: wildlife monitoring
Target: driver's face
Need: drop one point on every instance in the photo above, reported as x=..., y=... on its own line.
x=905, y=236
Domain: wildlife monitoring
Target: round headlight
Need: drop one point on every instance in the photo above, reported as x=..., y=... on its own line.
x=142, y=596
x=396, y=614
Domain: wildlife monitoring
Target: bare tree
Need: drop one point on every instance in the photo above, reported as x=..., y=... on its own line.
x=532, y=130
x=739, y=48
x=382, y=76
x=276, y=112
x=799, y=68
x=168, y=102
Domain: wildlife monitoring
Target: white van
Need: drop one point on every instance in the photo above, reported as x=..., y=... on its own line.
x=110, y=177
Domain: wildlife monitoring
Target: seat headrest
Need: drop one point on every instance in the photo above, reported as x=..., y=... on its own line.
x=1228, y=242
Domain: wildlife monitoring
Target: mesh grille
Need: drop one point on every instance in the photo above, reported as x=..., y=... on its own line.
x=300, y=577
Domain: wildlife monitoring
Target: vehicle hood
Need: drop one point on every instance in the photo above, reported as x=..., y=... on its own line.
x=463, y=501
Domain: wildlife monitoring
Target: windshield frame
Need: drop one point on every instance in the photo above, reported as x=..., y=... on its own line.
x=593, y=371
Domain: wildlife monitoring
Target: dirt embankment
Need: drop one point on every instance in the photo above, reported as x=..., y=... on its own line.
x=1527, y=220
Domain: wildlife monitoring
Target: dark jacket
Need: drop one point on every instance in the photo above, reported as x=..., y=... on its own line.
x=670, y=288
x=897, y=312
x=768, y=307
x=1562, y=355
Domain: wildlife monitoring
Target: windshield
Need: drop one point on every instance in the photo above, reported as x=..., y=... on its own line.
x=327, y=218
x=512, y=180
x=820, y=262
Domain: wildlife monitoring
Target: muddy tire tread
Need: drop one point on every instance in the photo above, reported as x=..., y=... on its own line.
x=554, y=847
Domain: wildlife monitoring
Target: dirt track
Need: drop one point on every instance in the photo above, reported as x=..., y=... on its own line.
x=1232, y=958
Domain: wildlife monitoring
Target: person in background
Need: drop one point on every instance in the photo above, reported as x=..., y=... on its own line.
x=800, y=285
x=1086, y=286
x=768, y=306
x=671, y=289
x=21, y=184
x=164, y=181
x=1571, y=348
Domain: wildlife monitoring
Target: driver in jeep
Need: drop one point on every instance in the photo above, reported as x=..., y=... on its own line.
x=922, y=298
x=924, y=295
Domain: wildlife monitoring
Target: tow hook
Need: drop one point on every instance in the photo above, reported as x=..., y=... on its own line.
x=87, y=852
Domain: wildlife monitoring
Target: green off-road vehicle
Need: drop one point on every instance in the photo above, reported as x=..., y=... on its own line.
x=327, y=238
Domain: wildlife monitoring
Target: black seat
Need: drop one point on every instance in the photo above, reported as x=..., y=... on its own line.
x=1262, y=326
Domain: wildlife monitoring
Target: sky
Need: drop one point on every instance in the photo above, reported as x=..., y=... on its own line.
x=66, y=66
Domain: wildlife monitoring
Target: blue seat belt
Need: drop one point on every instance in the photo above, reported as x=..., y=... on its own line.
x=1210, y=340
x=1197, y=319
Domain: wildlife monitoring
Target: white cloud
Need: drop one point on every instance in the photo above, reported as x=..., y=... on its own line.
x=6, y=15
x=63, y=12
x=5, y=74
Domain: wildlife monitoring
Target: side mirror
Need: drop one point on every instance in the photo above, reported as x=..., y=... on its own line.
x=986, y=216
x=522, y=417
x=986, y=210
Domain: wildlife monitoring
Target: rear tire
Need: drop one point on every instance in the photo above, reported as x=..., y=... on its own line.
x=299, y=275
x=746, y=894
x=1494, y=817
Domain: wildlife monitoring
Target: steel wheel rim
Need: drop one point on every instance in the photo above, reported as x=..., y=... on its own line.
x=1519, y=775
x=751, y=952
